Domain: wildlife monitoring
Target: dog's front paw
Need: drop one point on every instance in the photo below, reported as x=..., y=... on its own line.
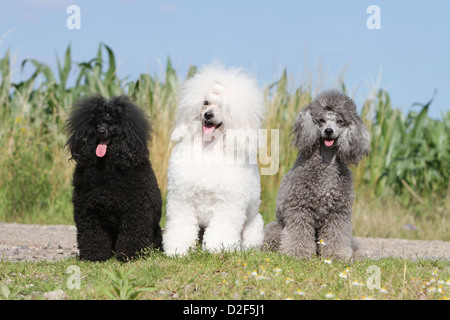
x=176, y=250
x=344, y=253
x=218, y=243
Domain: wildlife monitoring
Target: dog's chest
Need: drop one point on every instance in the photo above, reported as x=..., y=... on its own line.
x=321, y=188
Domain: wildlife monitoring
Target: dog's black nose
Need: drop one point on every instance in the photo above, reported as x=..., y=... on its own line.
x=208, y=115
x=328, y=131
x=101, y=131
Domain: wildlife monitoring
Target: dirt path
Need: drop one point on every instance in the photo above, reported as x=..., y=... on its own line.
x=22, y=242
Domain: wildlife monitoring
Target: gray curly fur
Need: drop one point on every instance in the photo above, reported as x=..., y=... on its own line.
x=316, y=195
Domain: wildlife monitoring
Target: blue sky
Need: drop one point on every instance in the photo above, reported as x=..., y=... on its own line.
x=317, y=41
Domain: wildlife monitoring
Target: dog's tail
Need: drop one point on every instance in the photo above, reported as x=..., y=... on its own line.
x=272, y=237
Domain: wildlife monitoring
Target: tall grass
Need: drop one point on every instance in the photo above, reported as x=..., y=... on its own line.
x=408, y=161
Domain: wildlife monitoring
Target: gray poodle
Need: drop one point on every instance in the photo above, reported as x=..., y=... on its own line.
x=314, y=202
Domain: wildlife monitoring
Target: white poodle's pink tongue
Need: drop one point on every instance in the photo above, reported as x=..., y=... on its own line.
x=208, y=129
x=328, y=142
x=101, y=149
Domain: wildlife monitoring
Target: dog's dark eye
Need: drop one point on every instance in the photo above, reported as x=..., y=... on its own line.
x=341, y=122
x=322, y=121
x=206, y=103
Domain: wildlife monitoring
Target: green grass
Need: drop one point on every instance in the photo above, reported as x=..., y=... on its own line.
x=228, y=276
x=406, y=173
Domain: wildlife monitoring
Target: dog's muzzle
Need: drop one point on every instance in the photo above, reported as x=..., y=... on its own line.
x=100, y=151
x=210, y=124
x=328, y=138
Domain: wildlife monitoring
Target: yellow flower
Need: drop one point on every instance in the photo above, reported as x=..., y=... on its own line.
x=327, y=261
x=321, y=242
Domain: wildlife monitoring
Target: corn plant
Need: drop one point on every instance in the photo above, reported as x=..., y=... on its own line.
x=408, y=159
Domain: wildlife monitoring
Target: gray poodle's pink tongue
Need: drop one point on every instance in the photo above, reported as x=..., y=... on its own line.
x=101, y=148
x=328, y=142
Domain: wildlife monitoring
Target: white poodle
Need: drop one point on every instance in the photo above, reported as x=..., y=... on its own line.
x=213, y=177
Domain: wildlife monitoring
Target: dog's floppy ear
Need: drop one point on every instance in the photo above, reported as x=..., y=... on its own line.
x=135, y=135
x=354, y=141
x=305, y=132
x=81, y=132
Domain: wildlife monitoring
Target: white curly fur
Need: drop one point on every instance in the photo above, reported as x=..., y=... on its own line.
x=212, y=196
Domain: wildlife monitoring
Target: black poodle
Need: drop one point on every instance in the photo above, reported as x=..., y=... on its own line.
x=116, y=199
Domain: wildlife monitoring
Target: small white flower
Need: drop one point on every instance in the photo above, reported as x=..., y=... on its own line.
x=300, y=293
x=321, y=242
x=323, y=285
x=277, y=271
x=356, y=283
x=327, y=261
x=343, y=275
x=262, y=292
x=383, y=290
x=288, y=280
x=329, y=295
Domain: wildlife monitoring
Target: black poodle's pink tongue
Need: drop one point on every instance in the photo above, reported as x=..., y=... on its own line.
x=101, y=148
x=328, y=142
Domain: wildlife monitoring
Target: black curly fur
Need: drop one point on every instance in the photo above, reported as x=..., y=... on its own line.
x=116, y=198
